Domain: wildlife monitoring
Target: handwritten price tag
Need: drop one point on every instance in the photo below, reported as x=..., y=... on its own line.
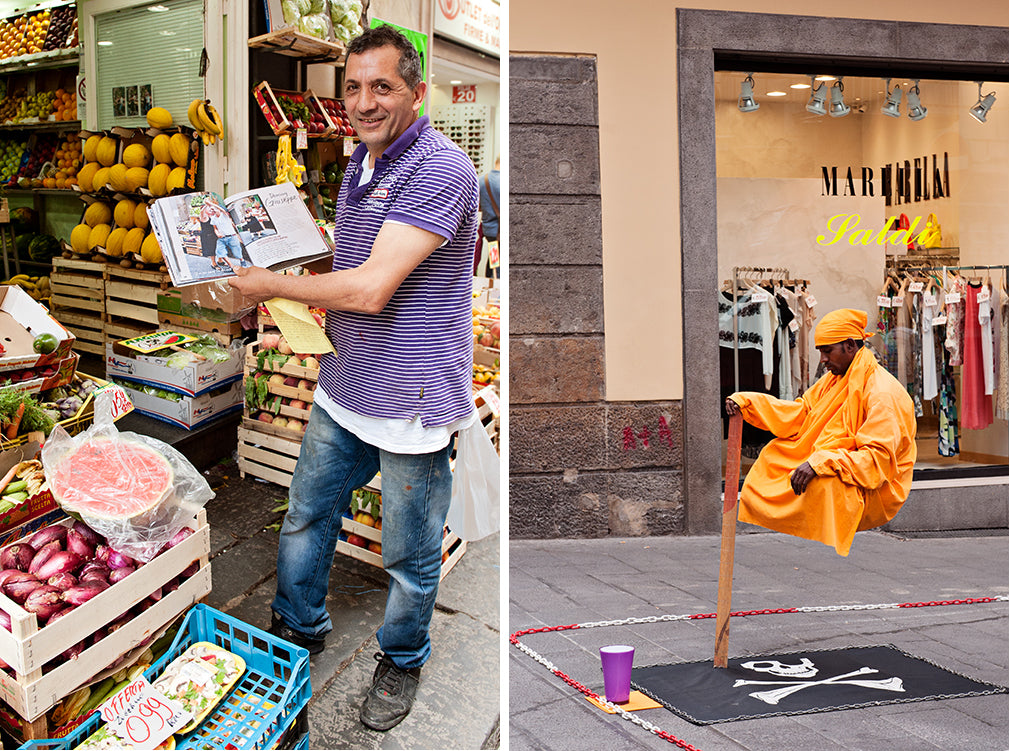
x=142, y=716
x=759, y=297
x=883, y=302
x=811, y=302
x=301, y=138
x=929, y=300
x=491, y=399
x=915, y=287
x=983, y=294
x=794, y=325
x=897, y=302
x=952, y=298
x=939, y=320
x=348, y=146
x=113, y=401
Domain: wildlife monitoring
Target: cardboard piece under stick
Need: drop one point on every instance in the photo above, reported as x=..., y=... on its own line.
x=301, y=330
x=636, y=701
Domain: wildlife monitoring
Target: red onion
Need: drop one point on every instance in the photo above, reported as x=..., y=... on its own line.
x=171, y=586
x=60, y=562
x=76, y=543
x=190, y=570
x=83, y=592
x=92, y=567
x=18, y=586
x=102, y=554
x=19, y=556
x=7, y=573
x=44, y=554
x=118, y=574
x=90, y=536
x=47, y=535
x=118, y=560
x=62, y=581
x=60, y=613
x=44, y=601
x=179, y=536
x=5, y=621
x=94, y=576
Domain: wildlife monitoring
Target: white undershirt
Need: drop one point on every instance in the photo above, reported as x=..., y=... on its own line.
x=399, y=436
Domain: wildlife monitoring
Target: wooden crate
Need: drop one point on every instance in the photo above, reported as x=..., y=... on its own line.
x=263, y=452
x=26, y=647
x=131, y=301
x=450, y=544
x=78, y=301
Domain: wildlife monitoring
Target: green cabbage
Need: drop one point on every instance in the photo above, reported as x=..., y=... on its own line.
x=314, y=24
x=289, y=9
x=342, y=34
x=317, y=6
x=303, y=6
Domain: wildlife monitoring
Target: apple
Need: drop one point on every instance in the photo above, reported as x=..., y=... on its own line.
x=357, y=540
x=486, y=339
x=270, y=341
x=290, y=381
x=306, y=384
x=296, y=404
x=277, y=379
x=375, y=547
x=280, y=421
x=378, y=523
x=265, y=417
x=296, y=425
x=363, y=517
x=496, y=330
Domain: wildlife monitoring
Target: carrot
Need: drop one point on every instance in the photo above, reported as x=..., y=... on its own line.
x=15, y=423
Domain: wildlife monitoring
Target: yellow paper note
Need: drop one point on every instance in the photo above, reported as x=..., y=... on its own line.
x=299, y=327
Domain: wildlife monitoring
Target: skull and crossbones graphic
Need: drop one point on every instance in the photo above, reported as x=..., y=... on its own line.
x=806, y=669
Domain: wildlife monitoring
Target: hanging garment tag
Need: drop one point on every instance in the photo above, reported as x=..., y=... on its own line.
x=811, y=302
x=883, y=302
x=761, y=296
x=794, y=325
x=983, y=294
x=915, y=287
x=929, y=300
x=952, y=298
x=939, y=320
x=897, y=302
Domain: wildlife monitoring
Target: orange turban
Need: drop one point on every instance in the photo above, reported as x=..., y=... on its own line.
x=839, y=325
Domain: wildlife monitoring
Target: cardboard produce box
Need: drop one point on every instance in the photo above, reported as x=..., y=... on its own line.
x=23, y=318
x=193, y=380
x=188, y=411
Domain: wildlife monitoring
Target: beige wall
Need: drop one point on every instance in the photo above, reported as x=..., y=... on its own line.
x=635, y=44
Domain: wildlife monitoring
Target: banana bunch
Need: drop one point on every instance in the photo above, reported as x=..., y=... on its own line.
x=206, y=120
x=288, y=168
x=36, y=286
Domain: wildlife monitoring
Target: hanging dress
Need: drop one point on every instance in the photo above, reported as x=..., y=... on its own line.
x=976, y=405
x=915, y=379
x=929, y=311
x=947, y=443
x=955, y=323
x=1003, y=387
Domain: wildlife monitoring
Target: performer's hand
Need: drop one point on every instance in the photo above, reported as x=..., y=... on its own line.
x=732, y=408
x=255, y=283
x=801, y=477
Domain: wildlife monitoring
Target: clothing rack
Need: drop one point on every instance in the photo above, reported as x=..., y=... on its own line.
x=932, y=269
x=746, y=270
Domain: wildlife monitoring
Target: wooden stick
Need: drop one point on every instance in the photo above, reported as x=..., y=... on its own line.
x=729, y=513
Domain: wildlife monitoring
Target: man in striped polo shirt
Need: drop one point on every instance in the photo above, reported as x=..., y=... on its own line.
x=398, y=302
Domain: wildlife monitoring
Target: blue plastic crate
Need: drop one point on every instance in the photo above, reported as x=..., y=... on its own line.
x=274, y=688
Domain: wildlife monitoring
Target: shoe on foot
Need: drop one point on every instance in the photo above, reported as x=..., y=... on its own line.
x=315, y=644
x=391, y=696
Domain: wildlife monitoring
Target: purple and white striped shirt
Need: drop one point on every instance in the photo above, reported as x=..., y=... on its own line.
x=416, y=356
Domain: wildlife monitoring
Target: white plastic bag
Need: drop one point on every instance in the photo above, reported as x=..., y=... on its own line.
x=474, y=508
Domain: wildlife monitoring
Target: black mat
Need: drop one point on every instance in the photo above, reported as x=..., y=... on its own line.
x=801, y=683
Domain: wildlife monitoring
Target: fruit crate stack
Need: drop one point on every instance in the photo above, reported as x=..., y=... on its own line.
x=113, y=623
x=279, y=388
x=78, y=301
x=131, y=301
x=360, y=534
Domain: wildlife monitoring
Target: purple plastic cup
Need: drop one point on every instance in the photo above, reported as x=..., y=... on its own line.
x=617, y=662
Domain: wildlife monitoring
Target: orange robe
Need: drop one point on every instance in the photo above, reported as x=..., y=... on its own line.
x=857, y=431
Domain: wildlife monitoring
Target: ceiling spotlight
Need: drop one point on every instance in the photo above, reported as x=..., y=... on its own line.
x=747, y=103
x=893, y=100
x=776, y=93
x=816, y=103
x=825, y=78
x=983, y=105
x=915, y=110
x=799, y=86
x=838, y=106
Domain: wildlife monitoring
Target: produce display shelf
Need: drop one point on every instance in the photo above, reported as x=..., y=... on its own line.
x=296, y=44
x=264, y=703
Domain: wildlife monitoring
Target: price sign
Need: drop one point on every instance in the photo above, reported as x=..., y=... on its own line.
x=794, y=325
x=811, y=302
x=915, y=287
x=929, y=300
x=113, y=401
x=759, y=297
x=953, y=298
x=301, y=138
x=493, y=256
x=142, y=716
x=983, y=294
x=897, y=302
x=883, y=302
x=348, y=146
x=491, y=399
x=939, y=320
x=464, y=94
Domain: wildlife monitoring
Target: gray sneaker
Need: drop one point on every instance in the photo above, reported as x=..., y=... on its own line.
x=391, y=696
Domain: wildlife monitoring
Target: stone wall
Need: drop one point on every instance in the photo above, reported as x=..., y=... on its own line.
x=579, y=466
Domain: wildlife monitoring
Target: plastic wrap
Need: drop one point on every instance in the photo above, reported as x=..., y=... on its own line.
x=135, y=490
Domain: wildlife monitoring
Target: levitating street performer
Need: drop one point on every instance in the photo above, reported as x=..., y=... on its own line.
x=843, y=453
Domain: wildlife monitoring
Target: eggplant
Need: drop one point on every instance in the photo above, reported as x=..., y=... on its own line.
x=19, y=585
x=43, y=554
x=83, y=592
x=77, y=543
x=19, y=556
x=93, y=538
x=47, y=535
x=44, y=601
x=60, y=562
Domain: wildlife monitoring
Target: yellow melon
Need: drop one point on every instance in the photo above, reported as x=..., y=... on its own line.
x=157, y=180
x=140, y=216
x=90, y=148
x=178, y=146
x=97, y=213
x=99, y=235
x=136, y=178
x=159, y=117
x=79, y=238
x=150, y=250
x=176, y=179
x=101, y=178
x=134, y=239
x=123, y=213
x=117, y=177
x=106, y=152
x=114, y=243
x=160, y=149
x=86, y=176
x=136, y=155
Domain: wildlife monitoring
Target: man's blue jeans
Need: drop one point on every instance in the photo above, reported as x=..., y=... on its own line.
x=228, y=245
x=416, y=489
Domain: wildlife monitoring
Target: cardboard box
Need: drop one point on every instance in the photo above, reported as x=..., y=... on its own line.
x=193, y=380
x=188, y=411
x=211, y=301
x=22, y=318
x=58, y=374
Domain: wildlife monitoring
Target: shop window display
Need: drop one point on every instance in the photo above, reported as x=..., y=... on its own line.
x=878, y=194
